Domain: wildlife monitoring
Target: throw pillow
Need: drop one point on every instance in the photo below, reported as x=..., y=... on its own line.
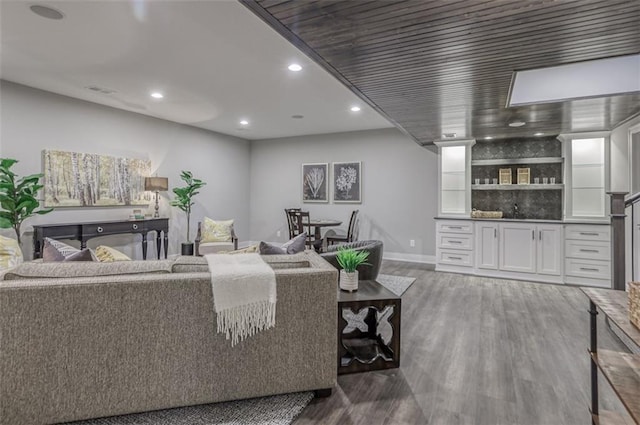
x=83, y=255
x=10, y=253
x=293, y=246
x=107, y=254
x=216, y=230
x=54, y=250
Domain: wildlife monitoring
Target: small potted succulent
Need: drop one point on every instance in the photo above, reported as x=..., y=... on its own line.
x=349, y=259
x=184, y=201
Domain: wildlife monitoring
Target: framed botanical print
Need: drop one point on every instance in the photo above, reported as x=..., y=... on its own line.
x=315, y=182
x=347, y=182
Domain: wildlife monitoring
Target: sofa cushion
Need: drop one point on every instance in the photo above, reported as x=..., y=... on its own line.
x=56, y=270
x=190, y=264
x=107, y=254
x=216, y=230
x=10, y=253
x=293, y=246
x=215, y=247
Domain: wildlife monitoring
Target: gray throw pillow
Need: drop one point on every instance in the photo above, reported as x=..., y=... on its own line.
x=293, y=246
x=54, y=250
x=84, y=255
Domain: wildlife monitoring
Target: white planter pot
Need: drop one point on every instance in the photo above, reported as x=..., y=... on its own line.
x=349, y=281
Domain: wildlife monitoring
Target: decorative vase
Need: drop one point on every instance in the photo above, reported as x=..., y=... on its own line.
x=187, y=248
x=349, y=280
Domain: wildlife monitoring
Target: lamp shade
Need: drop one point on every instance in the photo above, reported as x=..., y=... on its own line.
x=153, y=184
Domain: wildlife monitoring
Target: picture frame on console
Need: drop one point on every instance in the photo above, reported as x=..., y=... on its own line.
x=347, y=182
x=315, y=182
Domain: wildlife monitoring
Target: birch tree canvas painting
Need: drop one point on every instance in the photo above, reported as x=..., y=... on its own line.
x=315, y=182
x=347, y=183
x=73, y=179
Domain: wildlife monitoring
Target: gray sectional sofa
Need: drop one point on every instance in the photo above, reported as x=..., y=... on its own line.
x=86, y=340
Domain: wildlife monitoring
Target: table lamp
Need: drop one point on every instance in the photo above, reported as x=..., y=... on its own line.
x=156, y=184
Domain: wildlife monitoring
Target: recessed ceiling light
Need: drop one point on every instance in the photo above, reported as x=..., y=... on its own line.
x=488, y=138
x=295, y=67
x=46, y=12
x=539, y=134
x=244, y=122
x=297, y=117
x=355, y=109
x=517, y=123
x=157, y=95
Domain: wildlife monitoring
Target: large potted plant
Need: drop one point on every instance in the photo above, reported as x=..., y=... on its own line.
x=349, y=259
x=18, y=197
x=184, y=201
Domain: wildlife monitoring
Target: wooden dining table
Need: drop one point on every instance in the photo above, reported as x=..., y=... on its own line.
x=319, y=223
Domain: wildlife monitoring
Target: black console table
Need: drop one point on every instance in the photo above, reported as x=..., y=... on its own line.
x=85, y=231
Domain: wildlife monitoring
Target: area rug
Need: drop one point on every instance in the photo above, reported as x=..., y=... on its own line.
x=396, y=284
x=273, y=410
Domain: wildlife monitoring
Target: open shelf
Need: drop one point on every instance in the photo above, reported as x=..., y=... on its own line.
x=515, y=161
x=559, y=186
x=622, y=370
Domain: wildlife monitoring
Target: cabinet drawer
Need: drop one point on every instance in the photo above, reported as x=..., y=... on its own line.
x=460, y=226
x=592, y=250
x=111, y=228
x=455, y=241
x=588, y=233
x=595, y=269
x=457, y=258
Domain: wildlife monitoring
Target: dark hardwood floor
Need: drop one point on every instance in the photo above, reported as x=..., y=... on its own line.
x=477, y=351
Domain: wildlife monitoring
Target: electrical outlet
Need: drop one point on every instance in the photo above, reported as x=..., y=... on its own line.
x=412, y=243
x=278, y=233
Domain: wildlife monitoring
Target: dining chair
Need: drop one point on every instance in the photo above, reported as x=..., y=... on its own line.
x=302, y=220
x=292, y=221
x=352, y=232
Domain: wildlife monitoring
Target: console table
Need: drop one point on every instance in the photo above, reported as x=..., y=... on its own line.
x=368, y=328
x=622, y=370
x=85, y=231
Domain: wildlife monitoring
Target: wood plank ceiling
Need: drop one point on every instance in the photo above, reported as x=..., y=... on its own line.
x=445, y=66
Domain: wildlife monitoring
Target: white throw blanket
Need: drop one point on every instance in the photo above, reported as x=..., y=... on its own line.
x=244, y=294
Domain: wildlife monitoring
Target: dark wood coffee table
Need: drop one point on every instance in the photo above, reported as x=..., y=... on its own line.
x=368, y=328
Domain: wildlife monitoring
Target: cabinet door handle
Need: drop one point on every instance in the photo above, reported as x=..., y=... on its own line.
x=455, y=258
x=589, y=269
x=100, y=229
x=533, y=235
x=588, y=250
x=588, y=233
x=455, y=227
x=495, y=232
x=455, y=242
x=540, y=235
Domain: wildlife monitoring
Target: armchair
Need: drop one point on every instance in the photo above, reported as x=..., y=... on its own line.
x=203, y=248
x=365, y=272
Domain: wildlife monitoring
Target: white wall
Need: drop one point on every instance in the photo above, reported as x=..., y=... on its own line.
x=32, y=120
x=399, y=185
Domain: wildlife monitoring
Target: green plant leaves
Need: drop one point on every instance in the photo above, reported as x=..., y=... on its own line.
x=17, y=196
x=349, y=259
x=184, y=195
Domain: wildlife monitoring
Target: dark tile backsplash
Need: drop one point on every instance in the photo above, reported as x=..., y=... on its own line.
x=537, y=147
x=532, y=204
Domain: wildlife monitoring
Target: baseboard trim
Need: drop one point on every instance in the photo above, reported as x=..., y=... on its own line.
x=411, y=258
